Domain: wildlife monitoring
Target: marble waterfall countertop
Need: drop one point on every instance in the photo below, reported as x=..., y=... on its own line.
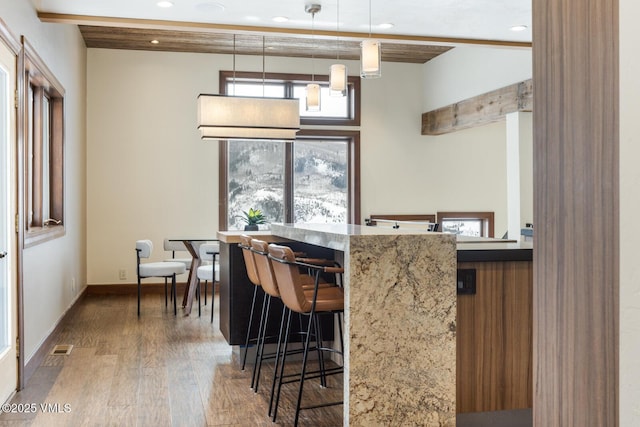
x=400, y=321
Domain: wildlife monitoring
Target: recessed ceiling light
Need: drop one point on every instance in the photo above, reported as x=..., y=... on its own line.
x=386, y=25
x=154, y=42
x=210, y=7
x=164, y=3
x=519, y=28
x=280, y=19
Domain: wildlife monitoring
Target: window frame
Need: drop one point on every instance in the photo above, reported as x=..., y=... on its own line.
x=37, y=78
x=352, y=138
x=487, y=219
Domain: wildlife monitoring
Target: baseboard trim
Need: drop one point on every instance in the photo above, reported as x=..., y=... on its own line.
x=131, y=288
x=43, y=350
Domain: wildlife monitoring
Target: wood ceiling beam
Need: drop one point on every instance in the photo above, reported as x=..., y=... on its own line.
x=60, y=18
x=479, y=110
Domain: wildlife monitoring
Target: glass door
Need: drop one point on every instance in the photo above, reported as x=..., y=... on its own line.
x=8, y=281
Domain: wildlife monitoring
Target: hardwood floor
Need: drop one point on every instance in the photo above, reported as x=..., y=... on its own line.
x=156, y=370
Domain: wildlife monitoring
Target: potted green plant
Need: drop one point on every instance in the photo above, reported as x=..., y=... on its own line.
x=252, y=218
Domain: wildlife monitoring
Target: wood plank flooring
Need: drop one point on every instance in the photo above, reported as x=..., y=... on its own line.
x=156, y=370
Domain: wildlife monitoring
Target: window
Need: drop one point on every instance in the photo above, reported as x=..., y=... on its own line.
x=343, y=111
x=477, y=224
x=43, y=139
x=313, y=179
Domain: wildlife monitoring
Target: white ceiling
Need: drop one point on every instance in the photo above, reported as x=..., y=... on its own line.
x=476, y=19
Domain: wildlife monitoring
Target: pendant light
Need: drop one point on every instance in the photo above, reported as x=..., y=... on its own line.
x=247, y=117
x=370, y=55
x=338, y=72
x=313, y=89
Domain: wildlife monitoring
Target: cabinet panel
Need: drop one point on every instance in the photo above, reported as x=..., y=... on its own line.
x=494, y=338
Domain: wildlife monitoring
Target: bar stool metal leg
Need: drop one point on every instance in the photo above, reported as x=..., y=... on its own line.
x=265, y=301
x=247, y=339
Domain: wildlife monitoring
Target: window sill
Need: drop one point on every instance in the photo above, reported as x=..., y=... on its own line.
x=38, y=235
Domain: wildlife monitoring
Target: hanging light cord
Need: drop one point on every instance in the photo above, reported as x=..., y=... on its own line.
x=313, y=46
x=338, y=32
x=233, y=89
x=369, y=18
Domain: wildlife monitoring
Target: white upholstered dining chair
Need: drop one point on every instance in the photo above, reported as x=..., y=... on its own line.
x=210, y=272
x=163, y=269
x=174, y=246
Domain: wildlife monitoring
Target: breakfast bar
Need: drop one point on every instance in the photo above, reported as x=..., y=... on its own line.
x=400, y=320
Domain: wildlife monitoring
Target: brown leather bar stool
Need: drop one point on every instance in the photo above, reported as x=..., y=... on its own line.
x=252, y=273
x=307, y=302
x=270, y=288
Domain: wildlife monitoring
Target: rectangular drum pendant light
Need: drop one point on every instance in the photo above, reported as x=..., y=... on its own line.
x=246, y=117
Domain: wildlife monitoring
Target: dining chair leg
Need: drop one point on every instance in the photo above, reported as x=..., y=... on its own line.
x=213, y=297
x=138, y=296
x=173, y=285
x=206, y=283
x=198, y=292
x=165, y=291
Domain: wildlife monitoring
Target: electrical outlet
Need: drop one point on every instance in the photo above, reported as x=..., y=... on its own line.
x=122, y=274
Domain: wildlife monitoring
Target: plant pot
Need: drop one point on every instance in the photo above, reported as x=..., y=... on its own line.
x=253, y=227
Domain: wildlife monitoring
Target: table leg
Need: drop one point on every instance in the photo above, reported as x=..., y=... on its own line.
x=192, y=286
x=192, y=282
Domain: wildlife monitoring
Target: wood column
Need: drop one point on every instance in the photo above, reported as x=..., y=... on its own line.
x=576, y=210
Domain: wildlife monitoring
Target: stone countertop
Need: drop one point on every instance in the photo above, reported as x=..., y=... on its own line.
x=336, y=236
x=234, y=236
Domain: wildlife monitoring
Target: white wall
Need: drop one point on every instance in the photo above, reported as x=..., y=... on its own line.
x=629, y=208
x=468, y=71
x=519, y=172
x=459, y=74
x=49, y=268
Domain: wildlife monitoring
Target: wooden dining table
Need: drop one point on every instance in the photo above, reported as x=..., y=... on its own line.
x=193, y=247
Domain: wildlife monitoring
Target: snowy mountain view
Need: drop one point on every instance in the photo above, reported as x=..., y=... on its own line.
x=256, y=174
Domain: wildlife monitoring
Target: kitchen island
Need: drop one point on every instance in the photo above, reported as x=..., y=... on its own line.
x=400, y=321
x=406, y=329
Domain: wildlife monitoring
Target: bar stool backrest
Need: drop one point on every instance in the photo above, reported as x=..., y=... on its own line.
x=264, y=267
x=249, y=261
x=288, y=278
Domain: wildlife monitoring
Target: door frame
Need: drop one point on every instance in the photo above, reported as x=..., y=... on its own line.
x=13, y=43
